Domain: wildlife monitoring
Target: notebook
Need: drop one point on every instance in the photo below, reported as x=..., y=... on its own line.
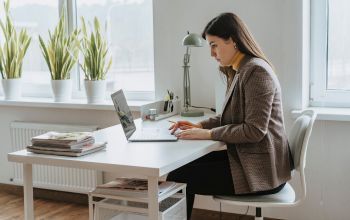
x=137, y=135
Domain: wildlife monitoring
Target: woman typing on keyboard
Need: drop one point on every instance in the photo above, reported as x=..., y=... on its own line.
x=257, y=159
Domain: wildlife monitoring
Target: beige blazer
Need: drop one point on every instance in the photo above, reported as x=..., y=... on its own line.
x=251, y=124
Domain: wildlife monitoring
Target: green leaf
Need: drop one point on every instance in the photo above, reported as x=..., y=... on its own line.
x=62, y=49
x=14, y=48
x=94, y=50
x=7, y=6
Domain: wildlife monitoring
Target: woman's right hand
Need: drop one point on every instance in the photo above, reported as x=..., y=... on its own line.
x=183, y=125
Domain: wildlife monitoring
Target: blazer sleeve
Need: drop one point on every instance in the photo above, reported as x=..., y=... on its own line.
x=259, y=90
x=211, y=122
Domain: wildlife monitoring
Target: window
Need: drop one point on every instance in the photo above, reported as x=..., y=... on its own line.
x=330, y=59
x=130, y=35
x=129, y=31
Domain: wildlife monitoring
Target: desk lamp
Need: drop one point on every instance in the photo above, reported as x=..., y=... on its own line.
x=190, y=40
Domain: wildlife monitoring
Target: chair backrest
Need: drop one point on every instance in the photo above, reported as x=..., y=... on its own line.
x=299, y=137
x=298, y=141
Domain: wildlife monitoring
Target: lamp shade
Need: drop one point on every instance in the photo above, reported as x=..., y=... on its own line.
x=192, y=40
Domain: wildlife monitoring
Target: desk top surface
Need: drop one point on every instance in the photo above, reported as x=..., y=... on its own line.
x=121, y=156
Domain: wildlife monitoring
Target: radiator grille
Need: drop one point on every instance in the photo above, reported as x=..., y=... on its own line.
x=50, y=177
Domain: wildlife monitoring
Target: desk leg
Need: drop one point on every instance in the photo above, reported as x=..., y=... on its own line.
x=153, y=205
x=28, y=192
x=91, y=208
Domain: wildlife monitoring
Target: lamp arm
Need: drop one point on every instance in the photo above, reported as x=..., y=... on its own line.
x=187, y=56
x=186, y=80
x=187, y=88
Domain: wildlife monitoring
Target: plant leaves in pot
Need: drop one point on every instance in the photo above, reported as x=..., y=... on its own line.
x=96, y=61
x=61, y=54
x=12, y=53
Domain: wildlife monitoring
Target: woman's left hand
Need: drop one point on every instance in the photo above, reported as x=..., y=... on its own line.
x=194, y=133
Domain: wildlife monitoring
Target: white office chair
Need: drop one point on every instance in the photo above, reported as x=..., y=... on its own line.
x=298, y=140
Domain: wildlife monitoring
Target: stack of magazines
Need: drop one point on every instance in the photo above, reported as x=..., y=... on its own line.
x=123, y=185
x=65, y=144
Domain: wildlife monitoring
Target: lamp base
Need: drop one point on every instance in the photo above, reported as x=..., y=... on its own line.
x=192, y=113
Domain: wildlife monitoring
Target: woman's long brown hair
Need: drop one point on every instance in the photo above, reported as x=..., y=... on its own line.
x=230, y=26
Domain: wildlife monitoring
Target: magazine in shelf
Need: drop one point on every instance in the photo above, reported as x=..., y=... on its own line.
x=132, y=185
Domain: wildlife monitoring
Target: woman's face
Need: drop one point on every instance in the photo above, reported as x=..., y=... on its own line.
x=222, y=50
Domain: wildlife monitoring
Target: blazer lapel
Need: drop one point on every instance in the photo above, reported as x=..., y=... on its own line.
x=229, y=94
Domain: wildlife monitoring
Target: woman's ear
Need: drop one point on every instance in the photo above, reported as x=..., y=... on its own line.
x=234, y=43
x=229, y=41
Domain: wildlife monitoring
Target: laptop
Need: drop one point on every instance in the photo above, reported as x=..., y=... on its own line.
x=149, y=134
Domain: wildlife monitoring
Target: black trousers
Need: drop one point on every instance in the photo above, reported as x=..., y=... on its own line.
x=208, y=175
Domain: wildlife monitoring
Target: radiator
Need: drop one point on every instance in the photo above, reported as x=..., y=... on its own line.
x=50, y=177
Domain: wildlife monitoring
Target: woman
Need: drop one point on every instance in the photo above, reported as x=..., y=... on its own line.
x=257, y=159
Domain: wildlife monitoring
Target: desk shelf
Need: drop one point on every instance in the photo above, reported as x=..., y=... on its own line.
x=134, y=206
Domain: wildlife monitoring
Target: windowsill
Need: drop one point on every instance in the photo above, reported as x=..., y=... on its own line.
x=327, y=114
x=73, y=104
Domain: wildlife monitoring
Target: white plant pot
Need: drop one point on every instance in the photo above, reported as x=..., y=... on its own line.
x=12, y=88
x=95, y=91
x=62, y=90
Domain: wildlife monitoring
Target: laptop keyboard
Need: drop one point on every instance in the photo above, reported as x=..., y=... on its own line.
x=147, y=137
x=149, y=134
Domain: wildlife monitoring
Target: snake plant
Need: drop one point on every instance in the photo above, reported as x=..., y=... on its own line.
x=61, y=51
x=14, y=48
x=94, y=49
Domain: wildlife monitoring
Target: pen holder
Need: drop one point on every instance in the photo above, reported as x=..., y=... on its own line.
x=169, y=106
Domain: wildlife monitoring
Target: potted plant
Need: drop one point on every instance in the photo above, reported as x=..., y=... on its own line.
x=11, y=56
x=61, y=54
x=95, y=62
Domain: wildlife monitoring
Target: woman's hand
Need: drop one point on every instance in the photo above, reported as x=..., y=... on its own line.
x=195, y=134
x=183, y=125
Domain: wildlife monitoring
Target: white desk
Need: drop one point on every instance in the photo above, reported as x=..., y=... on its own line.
x=151, y=160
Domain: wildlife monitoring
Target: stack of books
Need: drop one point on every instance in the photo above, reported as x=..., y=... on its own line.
x=65, y=144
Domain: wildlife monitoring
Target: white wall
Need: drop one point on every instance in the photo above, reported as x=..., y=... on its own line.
x=277, y=26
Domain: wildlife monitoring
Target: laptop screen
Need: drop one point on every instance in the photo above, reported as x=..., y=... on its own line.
x=124, y=113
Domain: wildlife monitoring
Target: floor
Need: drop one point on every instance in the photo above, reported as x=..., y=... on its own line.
x=11, y=208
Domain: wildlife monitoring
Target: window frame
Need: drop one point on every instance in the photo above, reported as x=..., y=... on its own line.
x=320, y=96
x=78, y=91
